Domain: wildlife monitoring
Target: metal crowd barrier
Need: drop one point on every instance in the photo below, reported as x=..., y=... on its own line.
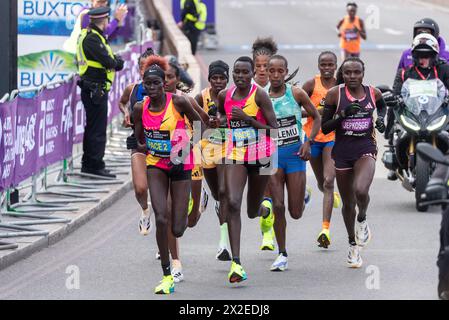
x=64, y=190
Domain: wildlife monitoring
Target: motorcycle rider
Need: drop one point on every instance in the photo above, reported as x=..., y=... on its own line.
x=427, y=65
x=425, y=25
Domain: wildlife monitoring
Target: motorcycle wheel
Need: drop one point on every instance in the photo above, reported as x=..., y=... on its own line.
x=422, y=172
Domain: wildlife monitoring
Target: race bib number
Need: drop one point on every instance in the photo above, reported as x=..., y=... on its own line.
x=158, y=143
x=242, y=133
x=351, y=34
x=218, y=136
x=288, y=132
x=357, y=127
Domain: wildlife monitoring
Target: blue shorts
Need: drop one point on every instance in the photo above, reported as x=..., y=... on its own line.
x=288, y=159
x=317, y=148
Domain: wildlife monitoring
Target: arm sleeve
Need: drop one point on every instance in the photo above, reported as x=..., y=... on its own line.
x=85, y=20
x=95, y=50
x=398, y=82
x=111, y=28
x=328, y=123
x=381, y=107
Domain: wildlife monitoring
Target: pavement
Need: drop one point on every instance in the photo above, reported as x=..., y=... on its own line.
x=108, y=259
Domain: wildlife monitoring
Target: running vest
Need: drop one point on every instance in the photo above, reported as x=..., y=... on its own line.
x=244, y=141
x=317, y=98
x=84, y=63
x=165, y=132
x=137, y=95
x=350, y=39
x=288, y=116
x=356, y=133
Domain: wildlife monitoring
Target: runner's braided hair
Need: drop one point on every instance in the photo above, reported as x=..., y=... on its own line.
x=264, y=46
x=340, y=79
x=352, y=4
x=148, y=52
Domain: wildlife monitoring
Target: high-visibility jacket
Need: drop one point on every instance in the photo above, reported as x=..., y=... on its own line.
x=201, y=9
x=84, y=63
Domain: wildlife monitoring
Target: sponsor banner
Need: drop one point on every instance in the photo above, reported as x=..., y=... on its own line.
x=7, y=143
x=48, y=17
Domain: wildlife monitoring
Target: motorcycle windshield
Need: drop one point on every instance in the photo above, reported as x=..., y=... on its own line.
x=423, y=95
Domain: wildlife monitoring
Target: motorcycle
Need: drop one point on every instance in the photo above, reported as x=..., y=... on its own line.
x=422, y=115
x=430, y=154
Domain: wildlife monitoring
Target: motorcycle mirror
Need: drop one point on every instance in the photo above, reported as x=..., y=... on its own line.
x=429, y=153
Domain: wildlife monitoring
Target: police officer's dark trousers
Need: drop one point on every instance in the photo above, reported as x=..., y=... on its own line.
x=443, y=256
x=94, y=142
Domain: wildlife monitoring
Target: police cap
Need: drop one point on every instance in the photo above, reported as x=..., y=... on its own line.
x=99, y=13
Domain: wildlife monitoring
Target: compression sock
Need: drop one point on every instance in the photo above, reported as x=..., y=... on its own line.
x=166, y=270
x=224, y=235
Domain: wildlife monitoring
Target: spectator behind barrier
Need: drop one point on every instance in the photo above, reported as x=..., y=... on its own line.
x=83, y=20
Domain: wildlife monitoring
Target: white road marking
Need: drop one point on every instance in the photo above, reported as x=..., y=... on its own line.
x=393, y=32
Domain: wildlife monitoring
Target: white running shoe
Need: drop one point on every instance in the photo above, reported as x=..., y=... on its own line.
x=204, y=200
x=280, y=264
x=354, y=258
x=223, y=254
x=362, y=233
x=145, y=225
x=176, y=271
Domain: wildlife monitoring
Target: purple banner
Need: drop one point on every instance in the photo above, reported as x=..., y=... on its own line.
x=27, y=139
x=55, y=127
x=38, y=132
x=7, y=143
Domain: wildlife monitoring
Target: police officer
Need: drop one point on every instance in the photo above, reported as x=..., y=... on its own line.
x=96, y=66
x=193, y=17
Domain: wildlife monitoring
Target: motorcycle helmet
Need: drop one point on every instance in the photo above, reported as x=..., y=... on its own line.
x=427, y=23
x=425, y=46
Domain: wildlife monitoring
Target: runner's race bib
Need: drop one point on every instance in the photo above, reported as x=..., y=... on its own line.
x=243, y=134
x=218, y=136
x=357, y=127
x=288, y=132
x=158, y=143
x=351, y=34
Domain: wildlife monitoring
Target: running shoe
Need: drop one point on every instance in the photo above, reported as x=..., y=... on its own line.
x=308, y=195
x=362, y=233
x=337, y=200
x=190, y=204
x=145, y=225
x=268, y=241
x=158, y=256
x=166, y=286
x=176, y=271
x=266, y=224
x=354, y=258
x=223, y=254
x=280, y=264
x=177, y=274
x=204, y=200
x=237, y=274
x=324, y=239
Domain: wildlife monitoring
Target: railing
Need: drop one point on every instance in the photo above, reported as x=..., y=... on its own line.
x=39, y=130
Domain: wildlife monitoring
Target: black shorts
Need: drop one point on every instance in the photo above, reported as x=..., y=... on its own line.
x=174, y=174
x=348, y=163
x=254, y=167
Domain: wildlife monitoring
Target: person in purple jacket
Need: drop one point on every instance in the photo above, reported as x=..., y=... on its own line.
x=119, y=16
x=425, y=25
